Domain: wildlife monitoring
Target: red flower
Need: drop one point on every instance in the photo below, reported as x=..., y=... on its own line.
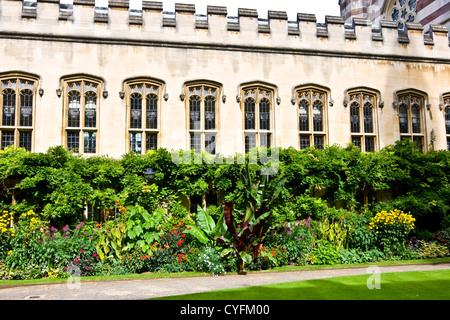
x=179, y=243
x=183, y=235
x=159, y=228
x=175, y=226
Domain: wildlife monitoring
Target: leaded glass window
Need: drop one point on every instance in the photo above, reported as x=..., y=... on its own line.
x=305, y=141
x=249, y=114
x=152, y=111
x=250, y=141
x=82, y=104
x=90, y=142
x=73, y=141
x=25, y=140
x=410, y=115
x=90, y=109
x=143, y=115
x=136, y=142
x=16, y=111
x=264, y=114
x=447, y=120
x=363, y=119
x=354, y=117
x=203, y=116
x=446, y=107
x=9, y=107
x=26, y=108
x=311, y=116
x=136, y=111
x=151, y=141
x=7, y=139
x=403, y=11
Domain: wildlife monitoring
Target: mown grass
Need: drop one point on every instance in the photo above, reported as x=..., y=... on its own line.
x=190, y=274
x=411, y=285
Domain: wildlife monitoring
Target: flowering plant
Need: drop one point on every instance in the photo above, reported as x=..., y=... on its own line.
x=392, y=228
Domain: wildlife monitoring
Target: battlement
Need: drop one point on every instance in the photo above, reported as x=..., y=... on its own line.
x=119, y=22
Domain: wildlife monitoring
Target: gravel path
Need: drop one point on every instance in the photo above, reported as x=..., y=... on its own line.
x=152, y=288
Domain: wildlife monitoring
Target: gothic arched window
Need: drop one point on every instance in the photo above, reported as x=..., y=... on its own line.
x=257, y=109
x=363, y=119
x=17, y=111
x=311, y=117
x=203, y=115
x=143, y=114
x=411, y=117
x=81, y=110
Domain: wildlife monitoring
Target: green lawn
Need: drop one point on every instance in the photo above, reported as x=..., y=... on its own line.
x=419, y=285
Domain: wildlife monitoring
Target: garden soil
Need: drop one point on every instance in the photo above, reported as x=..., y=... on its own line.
x=161, y=287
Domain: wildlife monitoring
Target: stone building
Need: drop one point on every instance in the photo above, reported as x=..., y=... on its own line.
x=101, y=78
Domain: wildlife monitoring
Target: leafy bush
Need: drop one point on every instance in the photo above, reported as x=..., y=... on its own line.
x=443, y=237
x=323, y=253
x=431, y=249
x=392, y=229
x=349, y=256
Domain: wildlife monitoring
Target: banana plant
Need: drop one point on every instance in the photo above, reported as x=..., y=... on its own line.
x=246, y=237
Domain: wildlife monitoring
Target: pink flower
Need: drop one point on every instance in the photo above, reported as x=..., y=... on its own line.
x=66, y=227
x=75, y=262
x=81, y=250
x=78, y=258
x=89, y=268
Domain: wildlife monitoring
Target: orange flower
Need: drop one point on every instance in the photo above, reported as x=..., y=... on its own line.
x=167, y=246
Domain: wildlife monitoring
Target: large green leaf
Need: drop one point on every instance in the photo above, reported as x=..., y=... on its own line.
x=247, y=258
x=198, y=233
x=206, y=222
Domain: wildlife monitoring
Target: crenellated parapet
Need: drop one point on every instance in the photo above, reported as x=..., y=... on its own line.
x=149, y=24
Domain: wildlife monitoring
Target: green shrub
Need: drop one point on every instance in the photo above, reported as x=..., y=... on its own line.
x=431, y=249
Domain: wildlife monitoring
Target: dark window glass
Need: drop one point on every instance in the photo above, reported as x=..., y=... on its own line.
x=369, y=144
x=90, y=142
x=448, y=144
x=250, y=142
x=210, y=113
x=303, y=114
x=135, y=111
x=151, y=141
x=419, y=142
x=152, y=112
x=265, y=139
x=319, y=142
x=74, y=109
x=264, y=115
x=26, y=108
x=7, y=139
x=194, y=113
x=304, y=141
x=210, y=143
x=354, y=118
x=73, y=141
x=317, y=116
x=25, y=140
x=403, y=118
x=249, y=111
x=90, y=110
x=368, y=118
x=9, y=107
x=415, y=119
x=447, y=120
x=357, y=141
x=136, y=142
x=196, y=142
